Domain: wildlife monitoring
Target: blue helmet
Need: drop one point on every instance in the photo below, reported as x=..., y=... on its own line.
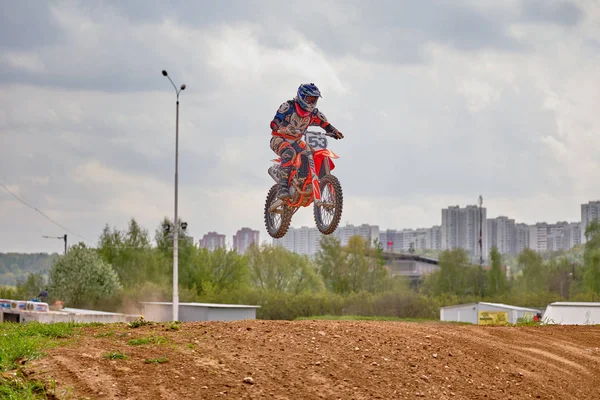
x=308, y=94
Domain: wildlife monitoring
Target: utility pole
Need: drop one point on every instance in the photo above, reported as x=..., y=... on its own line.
x=64, y=237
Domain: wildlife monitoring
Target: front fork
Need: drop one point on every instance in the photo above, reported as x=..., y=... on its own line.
x=313, y=173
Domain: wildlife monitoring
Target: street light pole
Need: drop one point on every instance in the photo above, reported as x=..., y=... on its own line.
x=480, y=231
x=175, y=221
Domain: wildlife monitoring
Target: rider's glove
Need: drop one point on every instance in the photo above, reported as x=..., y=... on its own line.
x=337, y=134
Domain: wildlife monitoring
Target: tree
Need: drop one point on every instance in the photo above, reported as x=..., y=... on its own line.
x=379, y=277
x=81, y=278
x=497, y=277
x=357, y=264
x=591, y=257
x=453, y=264
x=332, y=263
x=274, y=268
x=534, y=275
x=131, y=255
x=217, y=271
x=561, y=273
x=30, y=287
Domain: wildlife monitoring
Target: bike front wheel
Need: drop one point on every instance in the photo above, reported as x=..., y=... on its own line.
x=328, y=211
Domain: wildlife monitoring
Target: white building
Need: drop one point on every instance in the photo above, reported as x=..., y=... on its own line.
x=521, y=237
x=367, y=232
x=589, y=212
x=572, y=313
x=303, y=240
x=398, y=241
x=502, y=233
x=484, y=313
x=392, y=240
x=538, y=237
x=288, y=241
x=571, y=235
x=554, y=237
x=433, y=239
x=461, y=229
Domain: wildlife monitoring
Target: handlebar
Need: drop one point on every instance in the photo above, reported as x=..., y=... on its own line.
x=312, y=132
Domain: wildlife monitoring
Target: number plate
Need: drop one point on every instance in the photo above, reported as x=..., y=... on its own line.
x=317, y=142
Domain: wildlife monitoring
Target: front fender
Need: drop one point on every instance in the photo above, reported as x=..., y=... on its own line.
x=321, y=155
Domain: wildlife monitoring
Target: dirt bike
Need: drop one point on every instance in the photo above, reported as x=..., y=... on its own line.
x=310, y=182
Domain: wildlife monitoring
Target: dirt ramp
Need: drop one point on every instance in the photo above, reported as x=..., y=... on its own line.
x=328, y=360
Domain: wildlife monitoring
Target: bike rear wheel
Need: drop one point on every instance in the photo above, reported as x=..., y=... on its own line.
x=328, y=211
x=277, y=220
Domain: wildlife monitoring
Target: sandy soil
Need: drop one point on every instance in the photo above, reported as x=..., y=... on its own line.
x=328, y=360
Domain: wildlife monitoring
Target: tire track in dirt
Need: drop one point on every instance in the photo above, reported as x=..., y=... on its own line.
x=335, y=360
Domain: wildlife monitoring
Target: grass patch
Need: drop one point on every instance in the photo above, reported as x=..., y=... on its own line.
x=104, y=334
x=23, y=342
x=114, y=355
x=20, y=343
x=156, y=360
x=19, y=388
x=140, y=322
x=148, y=340
x=173, y=326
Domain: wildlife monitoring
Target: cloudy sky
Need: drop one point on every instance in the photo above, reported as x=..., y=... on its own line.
x=439, y=102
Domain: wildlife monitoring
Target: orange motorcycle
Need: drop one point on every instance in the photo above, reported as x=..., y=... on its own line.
x=310, y=182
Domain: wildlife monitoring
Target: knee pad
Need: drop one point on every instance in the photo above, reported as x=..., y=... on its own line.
x=287, y=155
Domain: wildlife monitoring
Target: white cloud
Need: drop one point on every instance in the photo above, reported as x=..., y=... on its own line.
x=503, y=105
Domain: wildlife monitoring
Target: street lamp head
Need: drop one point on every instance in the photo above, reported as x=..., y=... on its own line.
x=164, y=72
x=183, y=87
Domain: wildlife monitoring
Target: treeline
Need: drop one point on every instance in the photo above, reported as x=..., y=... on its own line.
x=14, y=266
x=128, y=266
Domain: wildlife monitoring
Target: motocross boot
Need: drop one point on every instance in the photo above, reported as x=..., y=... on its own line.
x=283, y=192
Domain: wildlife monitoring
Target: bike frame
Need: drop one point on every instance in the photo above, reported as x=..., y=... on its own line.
x=318, y=160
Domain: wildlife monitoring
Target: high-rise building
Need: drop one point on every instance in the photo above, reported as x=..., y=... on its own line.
x=538, y=237
x=434, y=238
x=367, y=232
x=420, y=242
x=502, y=234
x=461, y=228
x=589, y=212
x=392, y=240
x=571, y=235
x=555, y=238
x=212, y=241
x=288, y=240
x=399, y=241
x=450, y=222
x=302, y=240
x=244, y=238
x=522, y=238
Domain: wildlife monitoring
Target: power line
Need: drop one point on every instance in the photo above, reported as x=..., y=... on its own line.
x=36, y=209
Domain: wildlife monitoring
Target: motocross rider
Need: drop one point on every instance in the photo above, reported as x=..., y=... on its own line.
x=296, y=115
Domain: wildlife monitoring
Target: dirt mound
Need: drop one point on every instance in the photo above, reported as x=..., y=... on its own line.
x=327, y=360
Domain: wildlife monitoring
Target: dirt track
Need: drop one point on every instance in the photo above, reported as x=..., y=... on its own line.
x=331, y=360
